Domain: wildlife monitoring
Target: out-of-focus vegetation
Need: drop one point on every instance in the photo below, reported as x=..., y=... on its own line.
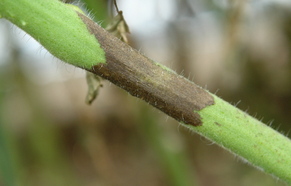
x=48, y=136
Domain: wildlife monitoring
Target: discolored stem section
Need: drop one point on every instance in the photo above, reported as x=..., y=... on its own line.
x=147, y=80
x=77, y=40
x=204, y=112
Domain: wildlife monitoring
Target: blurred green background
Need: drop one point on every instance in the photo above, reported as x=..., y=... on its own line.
x=49, y=136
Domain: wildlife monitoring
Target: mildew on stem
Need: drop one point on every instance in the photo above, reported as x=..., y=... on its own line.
x=145, y=79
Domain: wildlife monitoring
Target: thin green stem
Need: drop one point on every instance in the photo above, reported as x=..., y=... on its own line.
x=57, y=27
x=247, y=137
x=64, y=33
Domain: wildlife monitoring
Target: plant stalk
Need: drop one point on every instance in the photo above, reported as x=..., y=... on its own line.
x=76, y=39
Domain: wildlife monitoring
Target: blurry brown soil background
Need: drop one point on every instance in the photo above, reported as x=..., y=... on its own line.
x=48, y=135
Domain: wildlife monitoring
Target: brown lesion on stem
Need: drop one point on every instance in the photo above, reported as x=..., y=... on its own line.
x=141, y=77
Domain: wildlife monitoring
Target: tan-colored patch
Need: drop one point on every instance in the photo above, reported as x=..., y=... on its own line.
x=141, y=77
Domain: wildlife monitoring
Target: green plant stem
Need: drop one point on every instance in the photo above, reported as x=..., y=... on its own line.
x=57, y=27
x=197, y=109
x=247, y=137
x=101, y=6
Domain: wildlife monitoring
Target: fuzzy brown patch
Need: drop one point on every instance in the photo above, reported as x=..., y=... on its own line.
x=141, y=77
